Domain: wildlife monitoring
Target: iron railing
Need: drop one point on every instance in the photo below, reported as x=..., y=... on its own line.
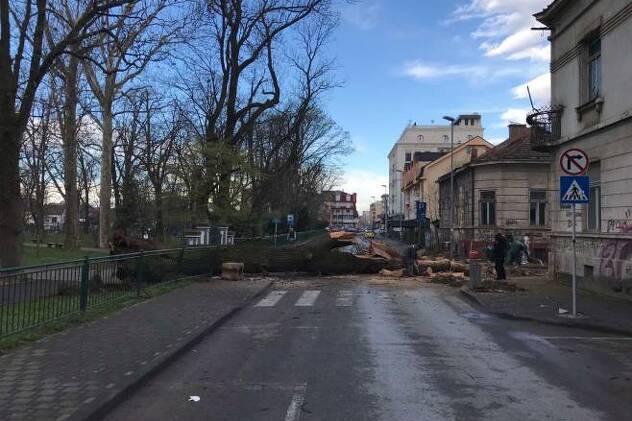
x=31, y=296
x=546, y=127
x=34, y=295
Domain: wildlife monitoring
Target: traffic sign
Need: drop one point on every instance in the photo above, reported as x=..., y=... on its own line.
x=290, y=219
x=574, y=161
x=574, y=190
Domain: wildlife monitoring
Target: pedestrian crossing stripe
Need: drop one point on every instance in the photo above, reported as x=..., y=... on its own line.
x=575, y=193
x=307, y=298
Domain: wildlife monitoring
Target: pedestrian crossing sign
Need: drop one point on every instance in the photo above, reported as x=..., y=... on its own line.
x=574, y=190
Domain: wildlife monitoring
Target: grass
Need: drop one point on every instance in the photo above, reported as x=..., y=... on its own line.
x=38, y=308
x=45, y=255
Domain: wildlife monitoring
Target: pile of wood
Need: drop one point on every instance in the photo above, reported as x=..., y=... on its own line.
x=399, y=273
x=456, y=279
x=442, y=265
x=341, y=236
x=379, y=249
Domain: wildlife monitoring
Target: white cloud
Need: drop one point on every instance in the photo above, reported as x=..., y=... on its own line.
x=421, y=71
x=363, y=15
x=514, y=115
x=506, y=27
x=365, y=184
x=540, y=88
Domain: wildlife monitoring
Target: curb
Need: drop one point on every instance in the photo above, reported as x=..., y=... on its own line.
x=469, y=295
x=99, y=410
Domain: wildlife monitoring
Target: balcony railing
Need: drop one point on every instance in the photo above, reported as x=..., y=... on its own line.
x=546, y=127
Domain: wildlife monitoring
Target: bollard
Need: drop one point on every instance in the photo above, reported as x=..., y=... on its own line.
x=475, y=274
x=83, y=287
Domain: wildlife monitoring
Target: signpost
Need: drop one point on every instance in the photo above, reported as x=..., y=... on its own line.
x=276, y=222
x=574, y=190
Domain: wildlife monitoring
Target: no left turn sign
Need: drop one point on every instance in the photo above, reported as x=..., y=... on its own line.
x=574, y=162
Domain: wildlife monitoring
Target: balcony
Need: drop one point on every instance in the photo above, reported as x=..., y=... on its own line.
x=546, y=127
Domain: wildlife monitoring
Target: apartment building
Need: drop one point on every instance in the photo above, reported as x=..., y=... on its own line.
x=423, y=144
x=591, y=109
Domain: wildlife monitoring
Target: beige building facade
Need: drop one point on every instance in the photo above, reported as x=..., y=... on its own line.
x=423, y=144
x=420, y=181
x=591, y=109
x=504, y=190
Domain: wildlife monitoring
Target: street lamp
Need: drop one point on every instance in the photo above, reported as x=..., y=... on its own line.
x=451, y=120
x=385, y=208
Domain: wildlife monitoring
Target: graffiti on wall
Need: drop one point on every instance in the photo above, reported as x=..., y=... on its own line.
x=620, y=225
x=616, y=256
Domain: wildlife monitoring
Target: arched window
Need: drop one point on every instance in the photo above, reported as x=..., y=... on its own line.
x=446, y=138
x=420, y=138
x=469, y=137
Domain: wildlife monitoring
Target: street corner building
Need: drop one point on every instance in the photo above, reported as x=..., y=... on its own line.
x=590, y=110
x=340, y=209
x=503, y=190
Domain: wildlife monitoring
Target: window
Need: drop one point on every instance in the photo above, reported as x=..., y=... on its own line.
x=408, y=157
x=594, y=69
x=469, y=137
x=593, y=214
x=53, y=219
x=446, y=138
x=467, y=121
x=537, y=207
x=337, y=197
x=488, y=207
x=420, y=138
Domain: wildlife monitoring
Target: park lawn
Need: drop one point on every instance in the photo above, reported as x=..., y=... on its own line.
x=54, y=255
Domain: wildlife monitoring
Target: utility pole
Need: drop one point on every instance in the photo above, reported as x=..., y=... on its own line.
x=451, y=120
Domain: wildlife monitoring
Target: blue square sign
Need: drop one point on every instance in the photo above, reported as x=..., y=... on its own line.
x=574, y=190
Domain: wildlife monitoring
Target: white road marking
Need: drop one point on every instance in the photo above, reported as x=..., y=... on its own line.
x=590, y=338
x=271, y=299
x=294, y=410
x=345, y=298
x=308, y=298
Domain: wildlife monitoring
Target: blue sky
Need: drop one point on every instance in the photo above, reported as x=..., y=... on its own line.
x=417, y=60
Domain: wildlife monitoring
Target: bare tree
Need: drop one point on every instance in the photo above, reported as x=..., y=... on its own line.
x=242, y=82
x=25, y=60
x=136, y=37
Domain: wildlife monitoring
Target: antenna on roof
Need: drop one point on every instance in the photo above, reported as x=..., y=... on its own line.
x=530, y=98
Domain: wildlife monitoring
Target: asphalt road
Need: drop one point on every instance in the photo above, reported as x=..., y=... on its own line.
x=332, y=349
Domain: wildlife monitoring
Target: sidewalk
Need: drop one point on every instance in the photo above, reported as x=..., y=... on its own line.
x=543, y=298
x=81, y=372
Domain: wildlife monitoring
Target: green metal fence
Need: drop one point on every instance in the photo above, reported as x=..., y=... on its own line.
x=32, y=296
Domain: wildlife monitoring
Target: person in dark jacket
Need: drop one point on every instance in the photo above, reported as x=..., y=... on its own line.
x=500, y=252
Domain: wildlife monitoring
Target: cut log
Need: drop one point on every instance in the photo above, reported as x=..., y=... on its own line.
x=232, y=271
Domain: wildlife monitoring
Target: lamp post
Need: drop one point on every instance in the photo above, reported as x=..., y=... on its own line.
x=451, y=120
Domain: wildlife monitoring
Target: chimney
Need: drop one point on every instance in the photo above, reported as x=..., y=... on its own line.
x=518, y=131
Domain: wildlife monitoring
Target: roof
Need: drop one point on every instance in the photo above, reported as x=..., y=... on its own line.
x=427, y=156
x=476, y=139
x=54, y=208
x=518, y=149
x=549, y=12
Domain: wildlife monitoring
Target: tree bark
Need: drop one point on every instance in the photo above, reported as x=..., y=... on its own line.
x=11, y=212
x=71, y=222
x=105, y=191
